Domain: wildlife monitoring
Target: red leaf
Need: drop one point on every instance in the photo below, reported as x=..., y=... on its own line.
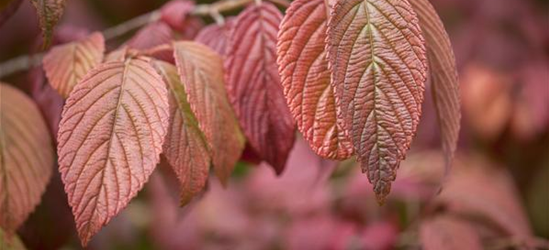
x=26, y=157
x=379, y=66
x=201, y=72
x=306, y=80
x=254, y=84
x=448, y=233
x=444, y=77
x=150, y=36
x=216, y=36
x=110, y=138
x=174, y=13
x=185, y=147
x=65, y=65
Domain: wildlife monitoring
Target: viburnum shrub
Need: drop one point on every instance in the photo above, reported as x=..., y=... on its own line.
x=350, y=75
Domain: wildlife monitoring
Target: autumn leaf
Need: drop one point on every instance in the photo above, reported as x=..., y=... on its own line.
x=444, y=77
x=152, y=35
x=305, y=77
x=110, y=138
x=65, y=65
x=26, y=157
x=445, y=232
x=379, y=65
x=185, y=147
x=175, y=12
x=216, y=36
x=254, y=85
x=49, y=13
x=201, y=72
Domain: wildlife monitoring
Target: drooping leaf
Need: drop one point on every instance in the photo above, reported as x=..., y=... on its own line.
x=10, y=242
x=201, y=72
x=444, y=232
x=216, y=36
x=378, y=60
x=49, y=13
x=185, y=147
x=26, y=157
x=444, y=77
x=174, y=13
x=305, y=77
x=152, y=35
x=7, y=9
x=254, y=84
x=65, y=65
x=110, y=138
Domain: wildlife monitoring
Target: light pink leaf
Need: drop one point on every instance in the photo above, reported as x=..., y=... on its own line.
x=174, y=13
x=185, y=147
x=303, y=68
x=444, y=77
x=201, y=72
x=110, y=138
x=254, y=84
x=152, y=35
x=66, y=64
x=379, y=66
x=26, y=157
x=216, y=36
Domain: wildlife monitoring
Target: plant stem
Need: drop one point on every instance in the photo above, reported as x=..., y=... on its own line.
x=25, y=62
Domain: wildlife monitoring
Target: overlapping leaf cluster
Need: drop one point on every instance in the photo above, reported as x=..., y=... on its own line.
x=350, y=73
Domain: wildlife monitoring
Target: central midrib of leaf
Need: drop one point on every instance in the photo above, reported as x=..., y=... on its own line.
x=118, y=104
x=373, y=64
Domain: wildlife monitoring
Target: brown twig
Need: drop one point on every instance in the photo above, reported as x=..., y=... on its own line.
x=25, y=62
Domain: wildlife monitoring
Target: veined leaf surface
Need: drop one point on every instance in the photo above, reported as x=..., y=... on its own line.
x=110, y=138
x=49, y=12
x=254, y=84
x=378, y=60
x=65, y=65
x=201, y=72
x=26, y=157
x=185, y=147
x=444, y=76
x=303, y=68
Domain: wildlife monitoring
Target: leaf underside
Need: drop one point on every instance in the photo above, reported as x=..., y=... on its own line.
x=110, y=138
x=26, y=157
x=378, y=60
x=65, y=65
x=201, y=72
x=254, y=84
x=303, y=68
x=49, y=13
x=443, y=75
x=185, y=147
